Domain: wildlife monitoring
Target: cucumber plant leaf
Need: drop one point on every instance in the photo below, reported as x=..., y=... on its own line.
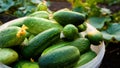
x=98, y=22
x=5, y=5
x=112, y=32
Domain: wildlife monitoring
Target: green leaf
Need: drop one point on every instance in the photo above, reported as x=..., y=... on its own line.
x=97, y=22
x=112, y=32
x=75, y=3
x=5, y=5
x=91, y=2
x=36, y=1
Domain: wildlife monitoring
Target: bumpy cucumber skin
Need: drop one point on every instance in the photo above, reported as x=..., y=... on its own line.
x=8, y=56
x=85, y=58
x=69, y=17
x=40, y=42
x=26, y=64
x=40, y=14
x=70, y=32
x=83, y=44
x=64, y=57
x=8, y=37
x=37, y=25
x=55, y=46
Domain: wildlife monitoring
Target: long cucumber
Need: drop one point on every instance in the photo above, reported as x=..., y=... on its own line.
x=41, y=41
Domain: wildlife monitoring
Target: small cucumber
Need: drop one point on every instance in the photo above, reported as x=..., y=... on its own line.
x=83, y=44
x=68, y=17
x=85, y=58
x=82, y=27
x=95, y=37
x=8, y=56
x=40, y=42
x=42, y=6
x=12, y=36
x=70, y=32
x=26, y=64
x=64, y=57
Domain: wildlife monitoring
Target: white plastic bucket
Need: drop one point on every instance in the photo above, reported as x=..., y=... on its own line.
x=95, y=63
x=100, y=50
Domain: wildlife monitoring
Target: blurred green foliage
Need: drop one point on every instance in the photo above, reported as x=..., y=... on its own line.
x=18, y=8
x=102, y=19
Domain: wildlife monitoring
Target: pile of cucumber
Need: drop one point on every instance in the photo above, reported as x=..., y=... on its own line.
x=47, y=40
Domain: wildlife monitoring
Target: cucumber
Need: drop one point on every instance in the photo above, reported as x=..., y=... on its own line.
x=95, y=37
x=37, y=25
x=82, y=27
x=70, y=32
x=26, y=64
x=12, y=36
x=40, y=42
x=64, y=57
x=55, y=46
x=16, y=22
x=83, y=44
x=8, y=56
x=40, y=14
x=68, y=17
x=85, y=58
x=42, y=6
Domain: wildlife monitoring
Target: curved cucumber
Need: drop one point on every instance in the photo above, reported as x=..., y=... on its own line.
x=40, y=42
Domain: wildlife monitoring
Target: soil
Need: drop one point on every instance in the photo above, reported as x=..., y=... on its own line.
x=112, y=54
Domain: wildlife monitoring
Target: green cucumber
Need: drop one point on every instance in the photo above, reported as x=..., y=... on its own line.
x=15, y=22
x=12, y=36
x=63, y=57
x=8, y=56
x=95, y=37
x=83, y=44
x=70, y=32
x=68, y=17
x=37, y=25
x=85, y=58
x=40, y=14
x=82, y=27
x=40, y=42
x=54, y=46
x=26, y=64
